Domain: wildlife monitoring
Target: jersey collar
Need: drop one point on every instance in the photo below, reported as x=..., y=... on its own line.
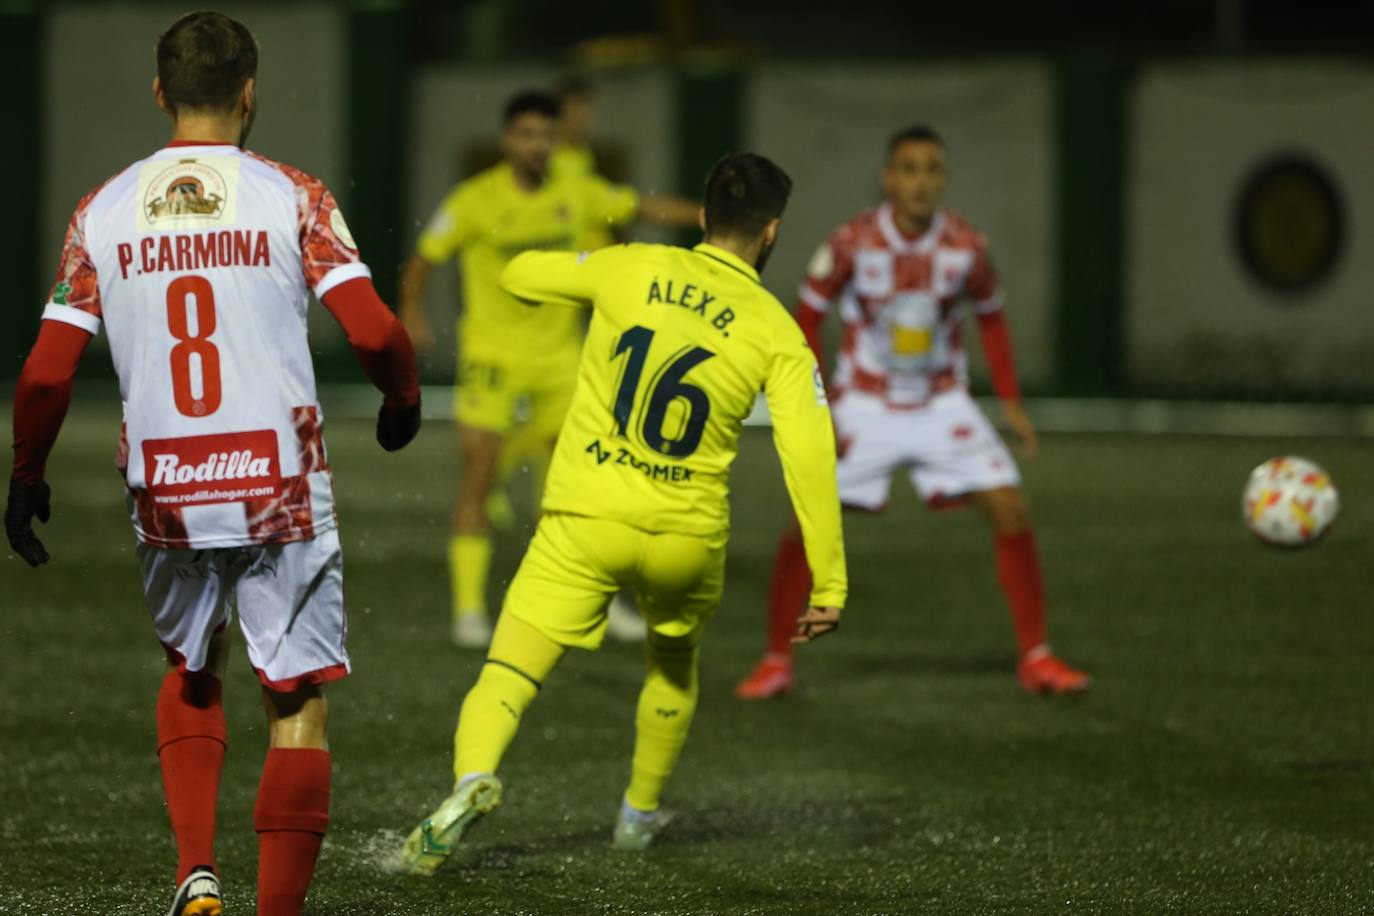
x=729, y=259
x=923, y=244
x=179, y=147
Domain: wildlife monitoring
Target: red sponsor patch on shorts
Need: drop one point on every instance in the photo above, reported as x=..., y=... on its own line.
x=205, y=470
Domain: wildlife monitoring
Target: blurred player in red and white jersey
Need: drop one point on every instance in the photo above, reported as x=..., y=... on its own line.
x=199, y=261
x=901, y=274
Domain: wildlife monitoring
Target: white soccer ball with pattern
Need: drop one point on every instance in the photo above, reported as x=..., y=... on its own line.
x=1290, y=501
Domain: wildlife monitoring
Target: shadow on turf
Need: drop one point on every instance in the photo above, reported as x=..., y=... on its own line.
x=857, y=824
x=918, y=663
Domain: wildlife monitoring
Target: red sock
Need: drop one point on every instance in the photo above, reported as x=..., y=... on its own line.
x=190, y=746
x=790, y=592
x=291, y=816
x=1018, y=569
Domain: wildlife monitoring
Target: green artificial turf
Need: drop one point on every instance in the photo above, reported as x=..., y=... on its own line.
x=1224, y=763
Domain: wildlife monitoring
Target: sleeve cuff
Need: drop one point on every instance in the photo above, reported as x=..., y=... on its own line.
x=341, y=274
x=987, y=306
x=812, y=298
x=73, y=316
x=828, y=598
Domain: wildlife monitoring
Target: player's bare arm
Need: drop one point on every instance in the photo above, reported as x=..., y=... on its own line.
x=996, y=339
x=413, y=284
x=1018, y=421
x=669, y=211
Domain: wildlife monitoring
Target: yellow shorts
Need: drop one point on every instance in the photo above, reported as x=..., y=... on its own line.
x=496, y=393
x=575, y=564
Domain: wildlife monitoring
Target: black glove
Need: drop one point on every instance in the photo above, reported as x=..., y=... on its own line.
x=26, y=502
x=396, y=426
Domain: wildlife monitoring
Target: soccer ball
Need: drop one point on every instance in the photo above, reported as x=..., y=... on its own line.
x=1289, y=502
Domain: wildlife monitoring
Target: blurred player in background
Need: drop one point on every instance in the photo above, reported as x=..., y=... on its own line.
x=572, y=155
x=526, y=447
x=681, y=342
x=199, y=261
x=511, y=355
x=901, y=273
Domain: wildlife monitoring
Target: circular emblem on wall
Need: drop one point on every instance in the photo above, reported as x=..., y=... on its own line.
x=1289, y=223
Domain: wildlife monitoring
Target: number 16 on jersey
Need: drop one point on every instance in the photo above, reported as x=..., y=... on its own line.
x=665, y=386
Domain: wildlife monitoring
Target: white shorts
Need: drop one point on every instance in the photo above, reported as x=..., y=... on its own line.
x=948, y=445
x=289, y=599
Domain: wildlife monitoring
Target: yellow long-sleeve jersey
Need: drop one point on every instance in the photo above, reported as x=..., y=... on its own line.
x=680, y=343
x=486, y=220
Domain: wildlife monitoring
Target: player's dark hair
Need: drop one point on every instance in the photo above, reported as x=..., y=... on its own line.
x=530, y=101
x=573, y=86
x=917, y=133
x=204, y=59
x=744, y=192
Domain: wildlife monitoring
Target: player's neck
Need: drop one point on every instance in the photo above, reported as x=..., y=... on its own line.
x=910, y=226
x=748, y=252
x=207, y=129
x=529, y=182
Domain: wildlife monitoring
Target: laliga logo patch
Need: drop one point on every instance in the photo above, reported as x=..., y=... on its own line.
x=336, y=223
x=822, y=263
x=188, y=191
x=819, y=382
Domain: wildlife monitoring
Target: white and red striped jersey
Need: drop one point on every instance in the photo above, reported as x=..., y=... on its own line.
x=902, y=301
x=199, y=261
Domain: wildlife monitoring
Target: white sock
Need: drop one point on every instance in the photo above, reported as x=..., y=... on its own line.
x=629, y=812
x=469, y=777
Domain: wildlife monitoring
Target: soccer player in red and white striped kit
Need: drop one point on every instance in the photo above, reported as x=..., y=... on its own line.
x=199, y=261
x=902, y=274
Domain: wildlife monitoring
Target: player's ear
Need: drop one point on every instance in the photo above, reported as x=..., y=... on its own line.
x=770, y=232
x=160, y=98
x=249, y=98
x=701, y=218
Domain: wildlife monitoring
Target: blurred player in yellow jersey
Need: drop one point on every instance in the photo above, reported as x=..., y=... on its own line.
x=680, y=343
x=510, y=355
x=572, y=154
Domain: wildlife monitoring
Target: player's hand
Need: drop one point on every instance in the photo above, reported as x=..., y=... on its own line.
x=1014, y=413
x=396, y=426
x=27, y=502
x=418, y=327
x=815, y=623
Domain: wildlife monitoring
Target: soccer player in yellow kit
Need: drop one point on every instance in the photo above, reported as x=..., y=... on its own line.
x=680, y=343
x=510, y=354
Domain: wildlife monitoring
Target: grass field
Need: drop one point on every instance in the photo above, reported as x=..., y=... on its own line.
x=1224, y=763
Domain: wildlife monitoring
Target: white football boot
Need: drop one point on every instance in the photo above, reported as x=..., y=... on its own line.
x=623, y=621
x=199, y=894
x=471, y=631
x=635, y=829
x=433, y=841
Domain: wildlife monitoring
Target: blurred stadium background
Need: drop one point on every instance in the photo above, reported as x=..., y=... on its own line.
x=1177, y=192
x=1179, y=197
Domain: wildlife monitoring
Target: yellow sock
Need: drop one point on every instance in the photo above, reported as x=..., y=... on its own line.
x=520, y=658
x=666, y=706
x=469, y=558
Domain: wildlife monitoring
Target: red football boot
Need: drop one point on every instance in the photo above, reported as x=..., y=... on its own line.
x=773, y=677
x=1041, y=672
